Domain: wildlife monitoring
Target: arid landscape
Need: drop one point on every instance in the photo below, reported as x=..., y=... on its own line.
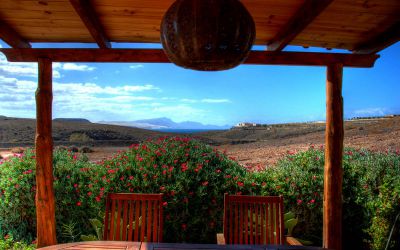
x=262, y=145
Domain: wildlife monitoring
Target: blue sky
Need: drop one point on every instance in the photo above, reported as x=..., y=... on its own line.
x=248, y=93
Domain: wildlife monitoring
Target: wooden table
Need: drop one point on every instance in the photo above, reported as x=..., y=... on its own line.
x=97, y=245
x=125, y=245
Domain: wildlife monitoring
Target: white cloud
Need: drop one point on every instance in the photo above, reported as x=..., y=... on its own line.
x=189, y=100
x=136, y=66
x=21, y=69
x=370, y=112
x=206, y=100
x=215, y=101
x=73, y=66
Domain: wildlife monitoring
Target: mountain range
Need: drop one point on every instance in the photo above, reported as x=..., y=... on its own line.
x=164, y=123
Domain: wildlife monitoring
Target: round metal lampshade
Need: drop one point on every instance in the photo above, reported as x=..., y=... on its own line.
x=207, y=34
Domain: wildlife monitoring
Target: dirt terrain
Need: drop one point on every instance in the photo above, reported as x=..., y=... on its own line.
x=373, y=134
x=250, y=146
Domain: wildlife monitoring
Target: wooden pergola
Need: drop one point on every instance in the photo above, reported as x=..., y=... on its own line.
x=363, y=27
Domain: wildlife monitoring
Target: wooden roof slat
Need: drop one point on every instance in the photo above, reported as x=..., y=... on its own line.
x=303, y=17
x=89, y=18
x=11, y=37
x=381, y=41
x=158, y=56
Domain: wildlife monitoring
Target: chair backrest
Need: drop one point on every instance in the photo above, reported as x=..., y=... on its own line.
x=134, y=217
x=253, y=219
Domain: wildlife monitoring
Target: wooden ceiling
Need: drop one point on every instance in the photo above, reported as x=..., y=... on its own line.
x=362, y=26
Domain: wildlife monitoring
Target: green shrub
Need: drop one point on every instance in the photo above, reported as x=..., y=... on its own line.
x=8, y=243
x=371, y=195
x=192, y=176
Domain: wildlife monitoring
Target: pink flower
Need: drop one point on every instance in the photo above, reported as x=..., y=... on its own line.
x=205, y=183
x=240, y=184
x=98, y=199
x=312, y=201
x=299, y=202
x=165, y=203
x=89, y=193
x=78, y=203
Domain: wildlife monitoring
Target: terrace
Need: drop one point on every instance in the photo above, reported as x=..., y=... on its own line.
x=362, y=27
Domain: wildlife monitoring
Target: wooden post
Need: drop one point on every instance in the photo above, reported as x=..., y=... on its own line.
x=333, y=173
x=45, y=205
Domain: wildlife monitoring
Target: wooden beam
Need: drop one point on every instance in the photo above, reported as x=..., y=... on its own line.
x=92, y=23
x=333, y=173
x=45, y=204
x=300, y=20
x=380, y=42
x=158, y=56
x=11, y=37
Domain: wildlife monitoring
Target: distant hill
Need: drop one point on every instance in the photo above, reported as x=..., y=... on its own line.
x=166, y=123
x=21, y=132
x=77, y=120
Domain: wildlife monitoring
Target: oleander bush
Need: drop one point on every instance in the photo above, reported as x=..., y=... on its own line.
x=371, y=195
x=193, y=178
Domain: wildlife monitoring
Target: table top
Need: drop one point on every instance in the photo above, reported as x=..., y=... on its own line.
x=126, y=245
x=97, y=245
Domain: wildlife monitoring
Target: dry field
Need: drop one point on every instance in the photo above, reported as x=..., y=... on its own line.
x=264, y=146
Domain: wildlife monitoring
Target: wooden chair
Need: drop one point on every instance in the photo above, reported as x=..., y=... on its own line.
x=134, y=217
x=253, y=220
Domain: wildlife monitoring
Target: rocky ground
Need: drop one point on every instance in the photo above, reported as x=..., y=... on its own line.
x=264, y=146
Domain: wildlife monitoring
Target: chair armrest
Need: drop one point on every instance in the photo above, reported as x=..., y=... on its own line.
x=291, y=241
x=220, y=239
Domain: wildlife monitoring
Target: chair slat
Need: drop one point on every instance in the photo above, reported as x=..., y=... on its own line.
x=118, y=224
x=236, y=223
x=112, y=215
x=230, y=223
x=282, y=222
x=241, y=221
x=137, y=220
x=143, y=214
x=246, y=223
x=257, y=223
x=251, y=224
x=131, y=219
x=155, y=221
x=277, y=229
x=149, y=220
x=124, y=220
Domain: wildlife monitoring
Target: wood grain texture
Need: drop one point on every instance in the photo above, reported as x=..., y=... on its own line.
x=98, y=245
x=147, y=223
x=333, y=172
x=11, y=37
x=303, y=17
x=45, y=203
x=381, y=41
x=89, y=18
x=158, y=56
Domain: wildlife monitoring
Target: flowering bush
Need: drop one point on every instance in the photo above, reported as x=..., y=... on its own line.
x=371, y=194
x=192, y=176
